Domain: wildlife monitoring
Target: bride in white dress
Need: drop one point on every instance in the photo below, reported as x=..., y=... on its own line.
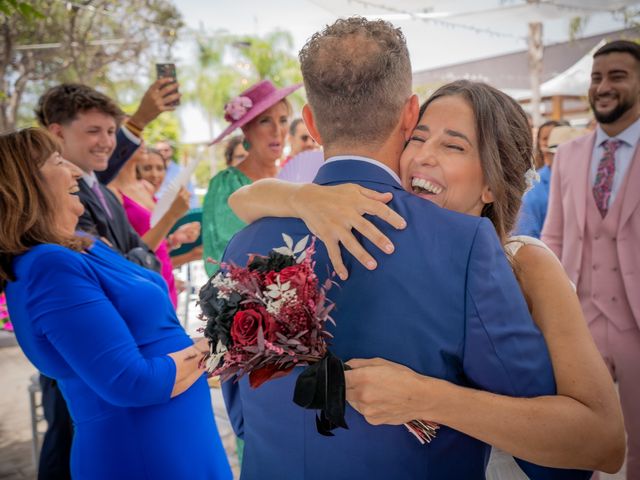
x=473, y=143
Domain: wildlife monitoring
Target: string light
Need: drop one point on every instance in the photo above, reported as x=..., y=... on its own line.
x=580, y=8
x=436, y=18
x=440, y=22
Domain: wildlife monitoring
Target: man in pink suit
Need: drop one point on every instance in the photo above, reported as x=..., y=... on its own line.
x=593, y=223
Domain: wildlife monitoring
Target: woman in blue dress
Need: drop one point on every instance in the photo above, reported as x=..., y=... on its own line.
x=103, y=327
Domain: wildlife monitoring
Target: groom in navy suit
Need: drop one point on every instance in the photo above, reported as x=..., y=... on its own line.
x=446, y=304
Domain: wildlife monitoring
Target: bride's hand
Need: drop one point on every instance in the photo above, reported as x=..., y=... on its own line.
x=385, y=392
x=331, y=212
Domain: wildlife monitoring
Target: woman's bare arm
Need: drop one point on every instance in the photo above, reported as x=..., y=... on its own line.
x=330, y=213
x=188, y=366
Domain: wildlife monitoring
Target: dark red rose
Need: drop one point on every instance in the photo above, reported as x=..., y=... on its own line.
x=291, y=274
x=271, y=278
x=244, y=329
x=271, y=327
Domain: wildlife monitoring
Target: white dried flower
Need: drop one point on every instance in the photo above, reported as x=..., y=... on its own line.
x=224, y=284
x=532, y=177
x=290, y=250
x=216, y=357
x=275, y=304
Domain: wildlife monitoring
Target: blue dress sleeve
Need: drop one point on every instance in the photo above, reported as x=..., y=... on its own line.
x=68, y=306
x=504, y=352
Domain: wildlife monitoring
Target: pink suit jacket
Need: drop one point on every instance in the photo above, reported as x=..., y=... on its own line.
x=566, y=215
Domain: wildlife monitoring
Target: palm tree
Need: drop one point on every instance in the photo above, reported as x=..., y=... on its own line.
x=227, y=64
x=270, y=57
x=211, y=83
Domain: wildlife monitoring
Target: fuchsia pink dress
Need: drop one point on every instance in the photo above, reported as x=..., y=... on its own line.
x=140, y=219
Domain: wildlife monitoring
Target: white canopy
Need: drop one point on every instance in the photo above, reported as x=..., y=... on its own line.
x=574, y=81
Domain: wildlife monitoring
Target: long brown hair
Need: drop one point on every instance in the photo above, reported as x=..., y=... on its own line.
x=505, y=147
x=25, y=207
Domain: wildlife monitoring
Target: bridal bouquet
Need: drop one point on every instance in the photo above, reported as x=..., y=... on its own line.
x=269, y=317
x=266, y=318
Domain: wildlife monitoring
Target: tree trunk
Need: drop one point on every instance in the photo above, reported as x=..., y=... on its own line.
x=5, y=60
x=535, y=69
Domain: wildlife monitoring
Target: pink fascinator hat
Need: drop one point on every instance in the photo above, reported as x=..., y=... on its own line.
x=251, y=103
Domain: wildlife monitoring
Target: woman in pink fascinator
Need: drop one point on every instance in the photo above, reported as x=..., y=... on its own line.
x=262, y=112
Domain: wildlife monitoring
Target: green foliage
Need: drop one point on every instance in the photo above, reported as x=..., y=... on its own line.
x=228, y=64
x=103, y=43
x=203, y=174
x=631, y=17
x=28, y=12
x=271, y=58
x=577, y=26
x=165, y=127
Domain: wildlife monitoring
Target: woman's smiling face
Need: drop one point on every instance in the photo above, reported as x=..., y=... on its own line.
x=61, y=178
x=441, y=161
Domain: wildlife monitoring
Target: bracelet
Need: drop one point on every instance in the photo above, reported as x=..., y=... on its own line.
x=134, y=125
x=133, y=128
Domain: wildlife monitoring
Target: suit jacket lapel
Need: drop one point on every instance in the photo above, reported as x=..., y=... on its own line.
x=632, y=194
x=581, y=167
x=100, y=216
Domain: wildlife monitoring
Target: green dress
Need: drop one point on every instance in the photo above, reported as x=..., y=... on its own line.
x=219, y=223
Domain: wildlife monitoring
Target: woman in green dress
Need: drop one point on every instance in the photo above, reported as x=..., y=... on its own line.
x=262, y=111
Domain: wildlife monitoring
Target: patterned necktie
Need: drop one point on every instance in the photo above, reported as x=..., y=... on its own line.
x=98, y=193
x=604, y=176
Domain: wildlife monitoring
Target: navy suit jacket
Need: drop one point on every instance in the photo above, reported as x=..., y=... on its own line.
x=445, y=304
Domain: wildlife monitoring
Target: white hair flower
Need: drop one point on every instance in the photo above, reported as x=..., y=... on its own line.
x=532, y=177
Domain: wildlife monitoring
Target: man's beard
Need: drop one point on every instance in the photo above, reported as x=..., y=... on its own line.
x=612, y=116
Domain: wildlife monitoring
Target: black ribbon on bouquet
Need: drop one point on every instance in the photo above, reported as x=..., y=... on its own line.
x=321, y=386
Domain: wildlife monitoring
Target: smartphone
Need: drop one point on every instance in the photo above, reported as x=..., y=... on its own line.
x=167, y=70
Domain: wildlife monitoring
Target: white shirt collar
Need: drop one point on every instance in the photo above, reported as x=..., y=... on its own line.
x=630, y=135
x=89, y=178
x=386, y=168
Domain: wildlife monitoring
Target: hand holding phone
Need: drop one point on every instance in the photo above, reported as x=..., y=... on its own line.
x=161, y=96
x=168, y=70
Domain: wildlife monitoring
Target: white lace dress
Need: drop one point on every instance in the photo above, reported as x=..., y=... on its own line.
x=501, y=465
